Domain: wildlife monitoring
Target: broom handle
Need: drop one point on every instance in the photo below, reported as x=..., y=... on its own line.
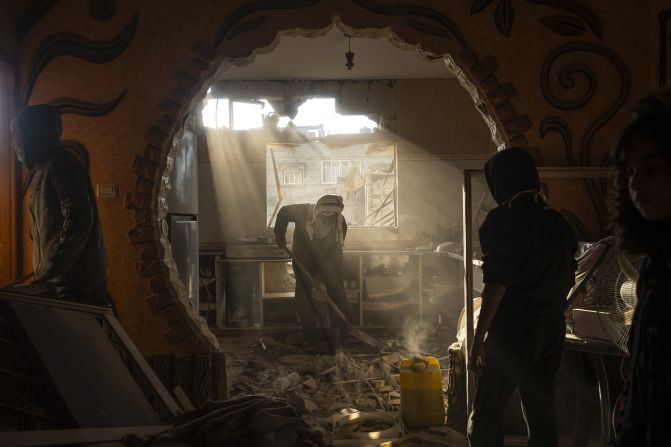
x=325, y=295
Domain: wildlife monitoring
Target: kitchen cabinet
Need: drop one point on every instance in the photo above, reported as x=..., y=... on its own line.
x=255, y=281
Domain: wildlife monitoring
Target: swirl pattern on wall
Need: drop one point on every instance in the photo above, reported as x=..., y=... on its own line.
x=567, y=81
x=69, y=44
x=578, y=9
x=552, y=123
x=79, y=107
x=225, y=31
x=446, y=27
x=575, y=24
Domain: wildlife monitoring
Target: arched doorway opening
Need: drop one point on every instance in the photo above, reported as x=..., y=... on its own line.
x=488, y=116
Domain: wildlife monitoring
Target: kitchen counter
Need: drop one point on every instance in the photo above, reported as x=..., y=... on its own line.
x=250, y=254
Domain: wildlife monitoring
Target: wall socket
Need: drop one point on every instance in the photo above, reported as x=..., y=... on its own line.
x=106, y=191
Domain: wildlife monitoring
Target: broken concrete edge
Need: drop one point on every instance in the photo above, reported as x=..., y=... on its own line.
x=191, y=315
x=148, y=200
x=477, y=77
x=492, y=99
x=186, y=327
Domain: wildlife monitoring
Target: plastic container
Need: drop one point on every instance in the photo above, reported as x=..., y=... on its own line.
x=422, y=402
x=283, y=383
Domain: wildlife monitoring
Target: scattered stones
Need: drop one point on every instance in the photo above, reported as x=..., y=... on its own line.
x=328, y=384
x=310, y=384
x=392, y=359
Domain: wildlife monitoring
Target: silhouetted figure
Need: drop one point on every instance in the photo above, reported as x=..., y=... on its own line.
x=319, y=236
x=528, y=268
x=642, y=224
x=68, y=251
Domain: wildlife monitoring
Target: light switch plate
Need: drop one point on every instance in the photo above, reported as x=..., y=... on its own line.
x=106, y=191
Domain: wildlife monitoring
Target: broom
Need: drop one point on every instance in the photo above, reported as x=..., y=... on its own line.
x=353, y=331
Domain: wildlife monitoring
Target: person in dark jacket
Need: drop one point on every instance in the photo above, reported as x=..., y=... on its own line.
x=68, y=250
x=528, y=269
x=319, y=236
x=642, y=224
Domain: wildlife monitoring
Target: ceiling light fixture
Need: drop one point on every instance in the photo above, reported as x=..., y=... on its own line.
x=349, y=55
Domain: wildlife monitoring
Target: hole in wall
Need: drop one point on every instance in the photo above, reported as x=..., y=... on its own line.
x=180, y=215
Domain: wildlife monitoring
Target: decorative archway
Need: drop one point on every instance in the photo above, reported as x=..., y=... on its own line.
x=475, y=46
x=169, y=297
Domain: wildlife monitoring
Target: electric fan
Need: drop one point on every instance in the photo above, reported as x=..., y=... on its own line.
x=606, y=284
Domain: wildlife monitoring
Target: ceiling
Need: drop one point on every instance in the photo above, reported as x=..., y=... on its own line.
x=323, y=57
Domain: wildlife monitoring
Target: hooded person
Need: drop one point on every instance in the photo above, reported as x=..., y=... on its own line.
x=528, y=268
x=319, y=236
x=68, y=250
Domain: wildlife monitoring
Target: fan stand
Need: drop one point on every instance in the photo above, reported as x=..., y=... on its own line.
x=596, y=351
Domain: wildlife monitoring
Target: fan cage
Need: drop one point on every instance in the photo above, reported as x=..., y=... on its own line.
x=612, y=294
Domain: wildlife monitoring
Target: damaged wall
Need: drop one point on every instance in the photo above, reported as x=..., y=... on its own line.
x=353, y=97
x=164, y=54
x=436, y=124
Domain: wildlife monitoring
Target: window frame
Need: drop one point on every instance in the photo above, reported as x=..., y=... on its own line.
x=298, y=175
x=338, y=169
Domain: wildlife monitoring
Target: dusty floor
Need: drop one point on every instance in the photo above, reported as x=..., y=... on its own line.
x=358, y=377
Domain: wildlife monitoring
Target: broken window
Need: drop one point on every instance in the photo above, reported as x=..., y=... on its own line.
x=315, y=117
x=236, y=114
x=364, y=174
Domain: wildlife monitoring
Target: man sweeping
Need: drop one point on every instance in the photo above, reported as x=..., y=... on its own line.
x=319, y=236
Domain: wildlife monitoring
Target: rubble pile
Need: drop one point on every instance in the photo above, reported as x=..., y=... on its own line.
x=329, y=385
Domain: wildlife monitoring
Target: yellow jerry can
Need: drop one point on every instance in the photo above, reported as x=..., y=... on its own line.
x=422, y=402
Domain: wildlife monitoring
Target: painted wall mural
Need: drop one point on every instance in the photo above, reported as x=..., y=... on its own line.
x=69, y=44
x=576, y=24
x=597, y=190
x=556, y=98
x=79, y=107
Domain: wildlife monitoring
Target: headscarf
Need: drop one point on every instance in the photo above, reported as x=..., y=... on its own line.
x=40, y=128
x=512, y=172
x=326, y=204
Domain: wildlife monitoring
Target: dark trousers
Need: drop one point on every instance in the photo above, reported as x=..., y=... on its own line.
x=525, y=354
x=329, y=269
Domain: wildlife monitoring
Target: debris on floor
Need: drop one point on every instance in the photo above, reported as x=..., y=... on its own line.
x=253, y=421
x=354, y=424
x=353, y=394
